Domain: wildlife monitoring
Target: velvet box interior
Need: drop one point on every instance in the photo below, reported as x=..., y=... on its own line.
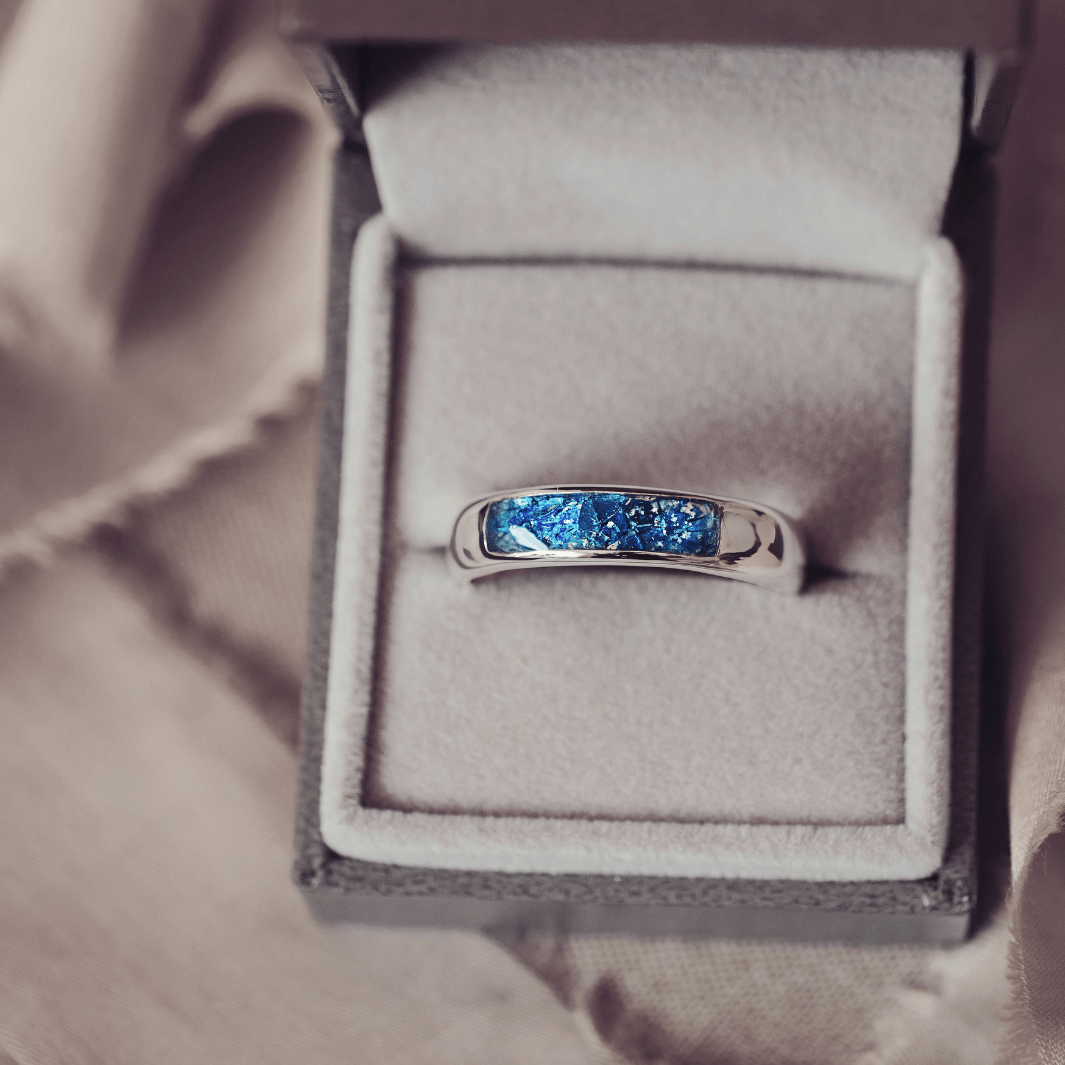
x=718, y=270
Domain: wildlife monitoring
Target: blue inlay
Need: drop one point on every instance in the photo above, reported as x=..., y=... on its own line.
x=602, y=521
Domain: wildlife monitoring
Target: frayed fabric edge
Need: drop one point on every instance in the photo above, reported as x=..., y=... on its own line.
x=278, y=395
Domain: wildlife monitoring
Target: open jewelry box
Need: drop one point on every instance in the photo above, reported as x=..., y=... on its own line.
x=712, y=255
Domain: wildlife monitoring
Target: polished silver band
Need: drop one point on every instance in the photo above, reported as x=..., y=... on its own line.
x=545, y=526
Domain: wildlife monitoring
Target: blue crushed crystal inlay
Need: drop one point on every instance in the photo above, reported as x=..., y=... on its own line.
x=602, y=521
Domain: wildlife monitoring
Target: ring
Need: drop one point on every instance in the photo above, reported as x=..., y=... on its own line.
x=593, y=525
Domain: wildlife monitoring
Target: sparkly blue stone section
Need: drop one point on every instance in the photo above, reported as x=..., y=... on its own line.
x=602, y=521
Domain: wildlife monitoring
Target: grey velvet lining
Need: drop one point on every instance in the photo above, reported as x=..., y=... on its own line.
x=807, y=158
x=633, y=722
x=490, y=699
x=564, y=693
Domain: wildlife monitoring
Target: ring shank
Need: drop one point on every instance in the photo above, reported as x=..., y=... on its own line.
x=757, y=544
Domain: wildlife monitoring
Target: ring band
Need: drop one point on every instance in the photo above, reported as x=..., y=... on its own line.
x=592, y=525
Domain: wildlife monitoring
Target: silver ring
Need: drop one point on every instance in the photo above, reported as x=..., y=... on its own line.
x=610, y=525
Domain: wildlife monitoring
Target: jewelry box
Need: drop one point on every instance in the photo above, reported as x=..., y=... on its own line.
x=720, y=253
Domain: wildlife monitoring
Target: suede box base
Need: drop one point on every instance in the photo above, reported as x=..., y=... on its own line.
x=935, y=907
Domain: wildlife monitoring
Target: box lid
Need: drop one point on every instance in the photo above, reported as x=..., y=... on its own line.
x=991, y=26
x=996, y=33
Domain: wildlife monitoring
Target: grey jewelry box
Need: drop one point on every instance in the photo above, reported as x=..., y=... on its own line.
x=934, y=907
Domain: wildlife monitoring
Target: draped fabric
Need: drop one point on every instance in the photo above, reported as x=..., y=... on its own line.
x=164, y=172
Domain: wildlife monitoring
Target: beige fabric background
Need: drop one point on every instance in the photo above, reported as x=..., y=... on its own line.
x=163, y=193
